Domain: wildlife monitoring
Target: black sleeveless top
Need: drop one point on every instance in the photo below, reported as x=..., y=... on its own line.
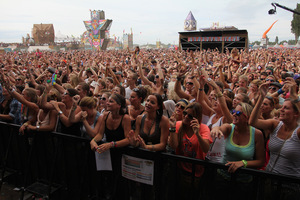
x=74, y=129
x=150, y=138
x=114, y=135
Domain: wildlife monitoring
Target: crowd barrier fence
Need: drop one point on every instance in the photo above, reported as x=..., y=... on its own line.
x=59, y=166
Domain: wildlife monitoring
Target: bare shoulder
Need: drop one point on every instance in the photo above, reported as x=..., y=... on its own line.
x=164, y=121
x=258, y=134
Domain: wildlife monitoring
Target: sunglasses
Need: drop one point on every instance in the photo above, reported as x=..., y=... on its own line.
x=66, y=93
x=181, y=106
x=18, y=79
x=189, y=83
x=188, y=115
x=272, y=88
x=157, y=76
x=98, y=95
x=209, y=74
x=103, y=98
x=271, y=80
x=238, y=113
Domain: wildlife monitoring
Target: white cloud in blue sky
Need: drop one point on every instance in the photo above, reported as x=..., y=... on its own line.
x=150, y=20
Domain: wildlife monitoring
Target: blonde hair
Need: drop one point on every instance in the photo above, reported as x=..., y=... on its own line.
x=256, y=82
x=74, y=79
x=88, y=102
x=246, y=108
x=67, y=86
x=31, y=93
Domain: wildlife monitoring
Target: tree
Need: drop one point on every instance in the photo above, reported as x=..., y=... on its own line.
x=295, y=23
x=276, y=40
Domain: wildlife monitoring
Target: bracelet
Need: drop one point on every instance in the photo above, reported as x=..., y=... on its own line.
x=245, y=163
x=74, y=108
x=12, y=90
x=280, y=91
x=200, y=89
x=95, y=140
x=113, y=144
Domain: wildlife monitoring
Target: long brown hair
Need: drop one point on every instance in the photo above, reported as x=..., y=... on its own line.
x=197, y=113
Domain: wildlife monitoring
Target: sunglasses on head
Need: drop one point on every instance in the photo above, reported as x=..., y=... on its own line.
x=238, y=113
x=188, y=115
x=272, y=88
x=182, y=107
x=189, y=83
x=135, y=89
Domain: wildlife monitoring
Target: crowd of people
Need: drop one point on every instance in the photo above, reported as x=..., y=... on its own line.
x=240, y=107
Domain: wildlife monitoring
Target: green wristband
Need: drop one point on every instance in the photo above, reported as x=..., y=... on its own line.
x=245, y=163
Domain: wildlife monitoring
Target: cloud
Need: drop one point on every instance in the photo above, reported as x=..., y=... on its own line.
x=156, y=19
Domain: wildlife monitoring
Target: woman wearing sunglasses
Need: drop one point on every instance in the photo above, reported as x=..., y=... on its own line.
x=244, y=147
x=191, y=139
x=178, y=114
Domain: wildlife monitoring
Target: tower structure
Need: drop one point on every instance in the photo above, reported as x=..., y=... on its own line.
x=98, y=30
x=190, y=24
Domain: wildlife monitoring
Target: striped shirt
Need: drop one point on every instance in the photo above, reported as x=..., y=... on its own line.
x=288, y=162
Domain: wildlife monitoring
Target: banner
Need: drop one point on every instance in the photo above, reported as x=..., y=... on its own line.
x=137, y=169
x=214, y=39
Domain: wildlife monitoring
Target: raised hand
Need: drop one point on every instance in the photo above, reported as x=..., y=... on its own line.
x=263, y=89
x=195, y=125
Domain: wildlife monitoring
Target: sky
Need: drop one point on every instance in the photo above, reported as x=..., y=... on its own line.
x=151, y=21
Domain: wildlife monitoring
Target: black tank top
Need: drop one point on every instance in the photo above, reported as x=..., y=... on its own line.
x=150, y=138
x=114, y=135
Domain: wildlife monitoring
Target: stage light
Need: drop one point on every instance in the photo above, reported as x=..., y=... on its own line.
x=272, y=11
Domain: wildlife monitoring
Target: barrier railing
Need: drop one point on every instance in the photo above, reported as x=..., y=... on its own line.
x=59, y=166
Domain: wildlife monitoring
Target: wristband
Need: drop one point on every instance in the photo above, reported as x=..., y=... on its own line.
x=200, y=89
x=245, y=163
x=95, y=140
x=113, y=144
x=280, y=91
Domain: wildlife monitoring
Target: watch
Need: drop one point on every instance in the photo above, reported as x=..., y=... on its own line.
x=37, y=128
x=60, y=112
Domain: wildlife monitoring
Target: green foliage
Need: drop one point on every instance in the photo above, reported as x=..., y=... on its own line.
x=292, y=42
x=295, y=23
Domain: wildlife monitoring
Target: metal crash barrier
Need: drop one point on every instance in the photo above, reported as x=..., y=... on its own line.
x=59, y=166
